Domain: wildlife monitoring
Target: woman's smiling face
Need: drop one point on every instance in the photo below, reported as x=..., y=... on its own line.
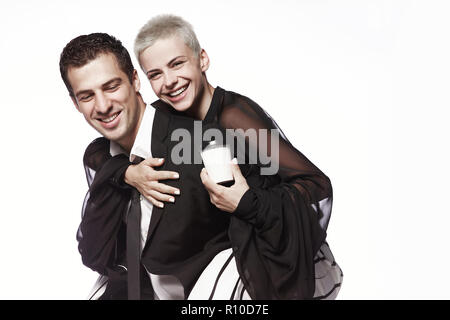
x=175, y=72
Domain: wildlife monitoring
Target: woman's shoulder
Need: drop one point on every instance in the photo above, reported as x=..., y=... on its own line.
x=161, y=106
x=233, y=98
x=239, y=107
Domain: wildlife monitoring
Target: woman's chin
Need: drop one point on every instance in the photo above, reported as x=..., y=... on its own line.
x=180, y=107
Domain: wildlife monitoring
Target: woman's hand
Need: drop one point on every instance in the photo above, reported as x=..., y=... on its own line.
x=145, y=179
x=226, y=199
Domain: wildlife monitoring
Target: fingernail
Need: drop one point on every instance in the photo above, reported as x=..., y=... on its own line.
x=177, y=192
x=160, y=159
x=172, y=200
x=176, y=175
x=161, y=205
x=234, y=161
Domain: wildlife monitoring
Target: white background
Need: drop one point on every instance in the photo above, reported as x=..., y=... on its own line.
x=360, y=87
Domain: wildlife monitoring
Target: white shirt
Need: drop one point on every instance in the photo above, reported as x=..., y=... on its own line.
x=141, y=148
x=166, y=287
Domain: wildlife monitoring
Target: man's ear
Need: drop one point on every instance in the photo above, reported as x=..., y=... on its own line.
x=74, y=100
x=136, y=81
x=204, y=60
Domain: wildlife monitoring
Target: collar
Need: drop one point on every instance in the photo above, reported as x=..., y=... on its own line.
x=142, y=143
x=214, y=107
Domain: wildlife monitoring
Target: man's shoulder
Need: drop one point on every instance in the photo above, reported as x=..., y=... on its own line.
x=98, y=148
x=100, y=142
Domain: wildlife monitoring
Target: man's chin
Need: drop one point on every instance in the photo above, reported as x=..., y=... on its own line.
x=111, y=135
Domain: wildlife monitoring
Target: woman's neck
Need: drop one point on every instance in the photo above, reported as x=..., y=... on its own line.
x=200, y=107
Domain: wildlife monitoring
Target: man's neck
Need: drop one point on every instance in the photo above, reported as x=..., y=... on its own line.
x=127, y=142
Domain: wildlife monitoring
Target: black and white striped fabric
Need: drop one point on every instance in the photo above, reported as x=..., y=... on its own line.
x=221, y=280
x=328, y=274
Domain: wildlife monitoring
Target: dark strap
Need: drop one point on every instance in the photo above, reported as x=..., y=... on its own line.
x=134, y=247
x=235, y=288
x=218, y=276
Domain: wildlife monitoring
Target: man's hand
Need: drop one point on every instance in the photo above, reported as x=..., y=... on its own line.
x=145, y=179
x=226, y=199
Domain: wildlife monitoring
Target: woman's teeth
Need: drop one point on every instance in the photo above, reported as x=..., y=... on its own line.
x=173, y=94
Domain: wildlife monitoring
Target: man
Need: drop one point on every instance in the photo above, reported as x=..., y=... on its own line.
x=104, y=87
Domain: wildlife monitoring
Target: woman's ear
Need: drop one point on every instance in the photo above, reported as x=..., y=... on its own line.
x=204, y=61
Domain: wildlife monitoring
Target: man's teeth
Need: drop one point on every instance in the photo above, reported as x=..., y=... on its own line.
x=173, y=94
x=110, y=119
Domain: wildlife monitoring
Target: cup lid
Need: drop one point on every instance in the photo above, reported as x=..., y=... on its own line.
x=211, y=145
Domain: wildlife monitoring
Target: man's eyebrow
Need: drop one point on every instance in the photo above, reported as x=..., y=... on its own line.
x=170, y=62
x=106, y=84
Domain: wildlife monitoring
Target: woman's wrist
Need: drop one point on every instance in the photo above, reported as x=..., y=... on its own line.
x=247, y=206
x=129, y=175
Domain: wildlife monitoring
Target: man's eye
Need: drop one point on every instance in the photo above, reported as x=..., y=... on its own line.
x=112, y=88
x=86, y=98
x=153, y=76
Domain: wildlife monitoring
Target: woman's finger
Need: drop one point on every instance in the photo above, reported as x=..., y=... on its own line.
x=164, y=188
x=154, y=201
x=161, y=196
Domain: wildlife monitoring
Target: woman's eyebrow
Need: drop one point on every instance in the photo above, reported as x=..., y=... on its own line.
x=168, y=63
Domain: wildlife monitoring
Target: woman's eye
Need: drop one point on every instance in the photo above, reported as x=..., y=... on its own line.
x=153, y=76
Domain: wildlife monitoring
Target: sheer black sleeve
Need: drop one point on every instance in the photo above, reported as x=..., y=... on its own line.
x=104, y=207
x=280, y=224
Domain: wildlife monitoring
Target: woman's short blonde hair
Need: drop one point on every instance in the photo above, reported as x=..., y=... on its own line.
x=164, y=26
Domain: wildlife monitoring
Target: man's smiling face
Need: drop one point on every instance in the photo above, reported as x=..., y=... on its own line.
x=104, y=95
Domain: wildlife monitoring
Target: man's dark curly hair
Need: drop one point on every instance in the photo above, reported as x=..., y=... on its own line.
x=85, y=48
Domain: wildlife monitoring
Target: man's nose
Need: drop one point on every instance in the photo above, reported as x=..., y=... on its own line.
x=102, y=103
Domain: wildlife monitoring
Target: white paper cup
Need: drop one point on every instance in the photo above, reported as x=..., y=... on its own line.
x=217, y=161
